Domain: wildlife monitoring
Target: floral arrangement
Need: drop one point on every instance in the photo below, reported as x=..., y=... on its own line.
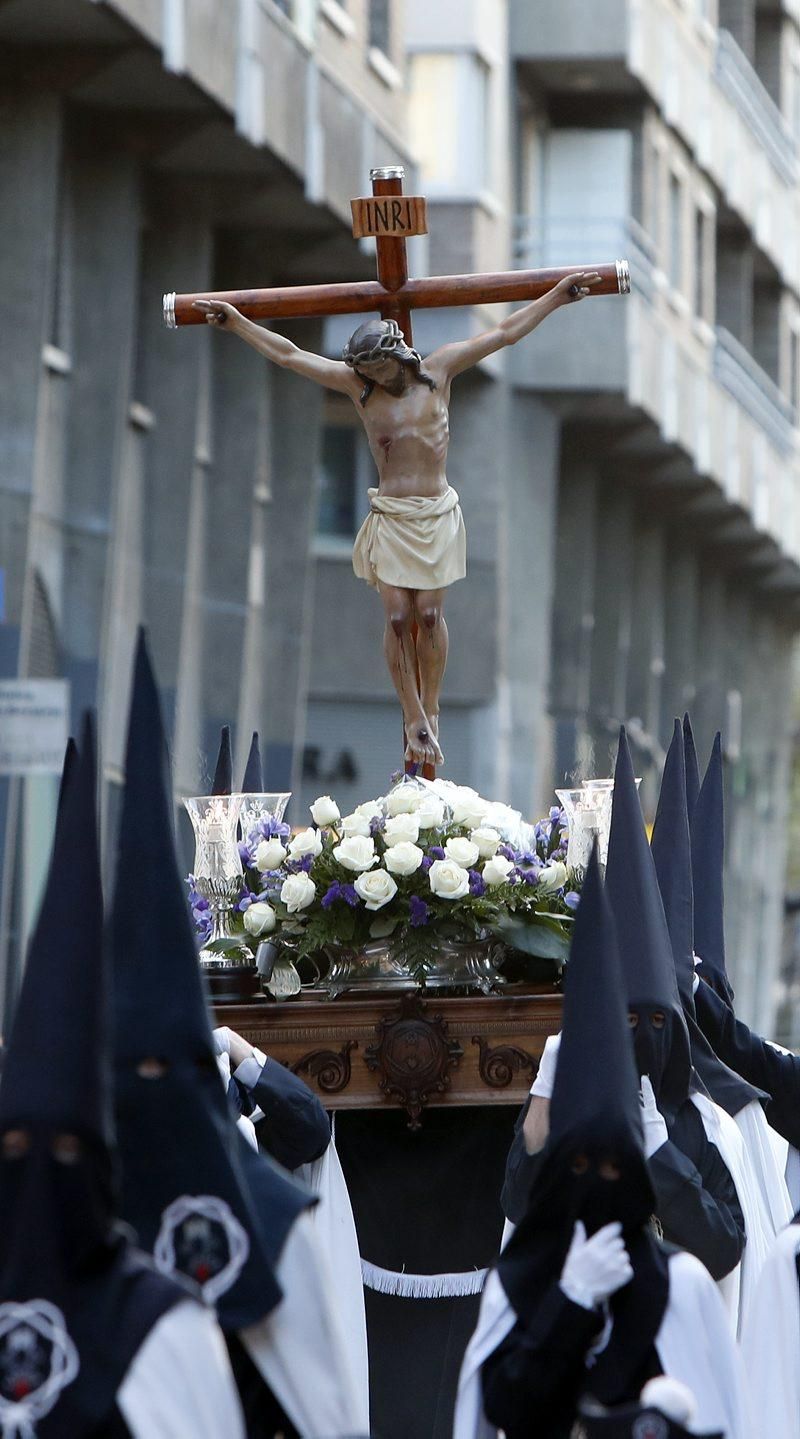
x=428, y=857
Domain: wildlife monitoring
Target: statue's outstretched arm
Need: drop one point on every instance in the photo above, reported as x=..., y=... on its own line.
x=333, y=374
x=451, y=360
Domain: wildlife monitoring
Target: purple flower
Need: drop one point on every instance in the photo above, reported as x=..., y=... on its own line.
x=376, y=825
x=436, y=851
x=419, y=911
x=426, y=864
x=572, y=900
x=348, y=894
x=246, y=900
x=508, y=853
x=476, y=883
x=245, y=854
x=555, y=814
x=530, y=876
x=271, y=828
x=331, y=895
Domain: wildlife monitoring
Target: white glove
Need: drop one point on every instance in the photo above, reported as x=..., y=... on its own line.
x=542, y=1085
x=222, y=1040
x=595, y=1268
x=653, y=1123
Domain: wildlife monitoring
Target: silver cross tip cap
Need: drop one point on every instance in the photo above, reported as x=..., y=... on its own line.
x=623, y=277
x=169, y=310
x=388, y=172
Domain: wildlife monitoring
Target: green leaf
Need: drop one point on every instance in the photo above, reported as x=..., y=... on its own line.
x=231, y=945
x=541, y=937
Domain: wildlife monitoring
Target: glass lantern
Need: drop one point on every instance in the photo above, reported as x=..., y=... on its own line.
x=255, y=808
x=218, y=872
x=584, y=811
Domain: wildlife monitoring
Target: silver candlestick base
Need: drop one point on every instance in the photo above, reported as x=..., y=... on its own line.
x=221, y=895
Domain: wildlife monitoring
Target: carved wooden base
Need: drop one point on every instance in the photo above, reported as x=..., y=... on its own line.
x=408, y=1053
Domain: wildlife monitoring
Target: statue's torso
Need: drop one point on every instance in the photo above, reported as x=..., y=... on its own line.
x=408, y=437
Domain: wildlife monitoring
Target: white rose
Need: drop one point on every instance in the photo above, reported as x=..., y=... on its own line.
x=260, y=919
x=405, y=799
x=403, y=858
x=551, y=878
x=308, y=841
x=506, y=821
x=297, y=892
x=356, y=853
x=269, y=855
x=376, y=888
x=430, y=814
x=371, y=809
x=468, y=807
x=497, y=870
x=355, y=824
x=325, y=810
x=448, y=880
x=462, y=851
x=401, y=829
x=487, y=841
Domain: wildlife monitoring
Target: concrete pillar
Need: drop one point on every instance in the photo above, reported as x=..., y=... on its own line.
x=573, y=615
x=30, y=152
x=611, y=637
x=526, y=581
x=295, y=428
x=171, y=381
x=710, y=706
x=104, y=211
x=682, y=580
x=646, y=670
x=241, y=439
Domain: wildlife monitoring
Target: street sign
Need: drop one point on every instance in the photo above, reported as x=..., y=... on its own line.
x=34, y=726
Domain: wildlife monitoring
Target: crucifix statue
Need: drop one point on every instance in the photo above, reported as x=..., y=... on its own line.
x=412, y=546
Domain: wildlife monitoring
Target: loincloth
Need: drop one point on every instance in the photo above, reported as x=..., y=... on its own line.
x=414, y=543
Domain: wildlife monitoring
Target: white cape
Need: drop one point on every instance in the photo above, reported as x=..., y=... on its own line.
x=770, y=1174
x=336, y=1230
x=180, y=1381
x=300, y=1348
x=694, y=1345
x=724, y=1132
x=771, y=1343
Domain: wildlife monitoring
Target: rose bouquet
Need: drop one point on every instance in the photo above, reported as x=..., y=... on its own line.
x=428, y=859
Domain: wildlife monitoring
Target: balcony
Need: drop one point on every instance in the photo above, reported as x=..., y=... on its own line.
x=648, y=359
x=738, y=80
x=584, y=29
x=737, y=372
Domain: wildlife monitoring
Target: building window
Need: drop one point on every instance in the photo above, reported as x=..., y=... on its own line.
x=337, y=482
x=450, y=121
x=675, y=232
x=380, y=25
x=794, y=368
x=703, y=242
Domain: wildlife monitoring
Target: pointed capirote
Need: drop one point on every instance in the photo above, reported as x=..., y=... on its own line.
x=596, y=1080
x=253, y=782
x=708, y=864
x=672, y=854
x=222, y=782
x=642, y=933
x=176, y=1134
x=692, y=766
x=56, y=1065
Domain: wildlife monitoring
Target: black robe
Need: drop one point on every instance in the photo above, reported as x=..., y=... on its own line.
x=295, y=1129
x=533, y=1381
x=696, y=1201
x=755, y=1060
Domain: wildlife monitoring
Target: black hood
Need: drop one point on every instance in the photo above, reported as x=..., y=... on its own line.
x=253, y=782
x=199, y=1197
x=595, y=1114
x=644, y=944
x=708, y=865
x=672, y=854
x=77, y=1301
x=222, y=782
x=692, y=766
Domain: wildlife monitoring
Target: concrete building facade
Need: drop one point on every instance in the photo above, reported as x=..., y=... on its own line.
x=629, y=474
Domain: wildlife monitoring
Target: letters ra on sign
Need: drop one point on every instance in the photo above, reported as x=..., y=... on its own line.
x=397, y=216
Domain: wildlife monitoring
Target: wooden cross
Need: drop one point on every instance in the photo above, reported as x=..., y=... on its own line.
x=391, y=217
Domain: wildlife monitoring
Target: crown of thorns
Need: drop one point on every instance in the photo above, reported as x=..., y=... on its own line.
x=389, y=341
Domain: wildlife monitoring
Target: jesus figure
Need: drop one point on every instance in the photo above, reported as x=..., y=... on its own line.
x=412, y=544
